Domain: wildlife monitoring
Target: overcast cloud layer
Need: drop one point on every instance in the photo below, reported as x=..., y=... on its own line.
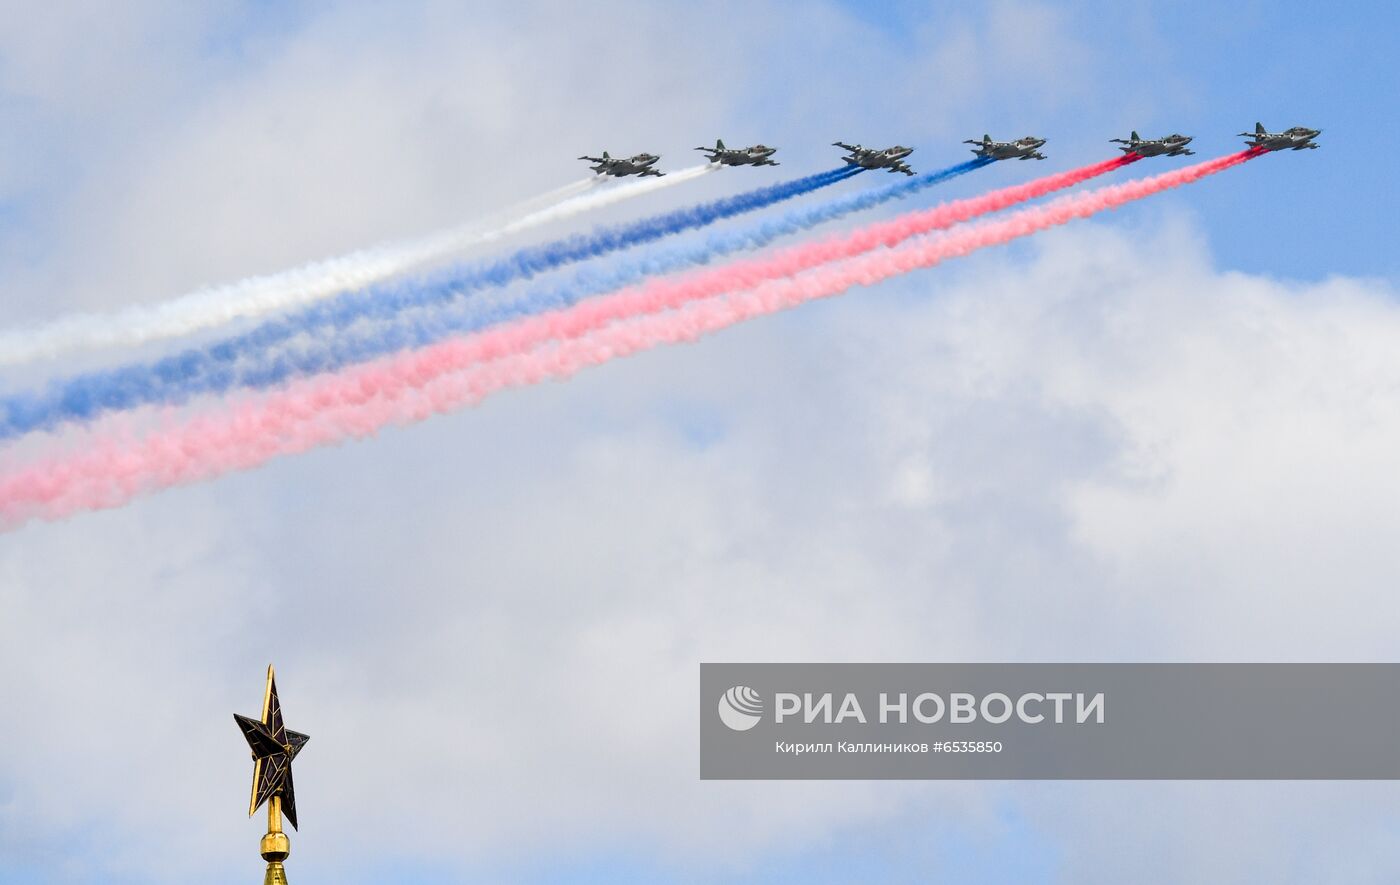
x=1103, y=444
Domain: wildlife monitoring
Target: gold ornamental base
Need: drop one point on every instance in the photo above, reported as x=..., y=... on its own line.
x=275, y=848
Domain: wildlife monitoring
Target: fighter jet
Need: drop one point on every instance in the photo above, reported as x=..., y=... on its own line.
x=871, y=158
x=616, y=166
x=1173, y=145
x=1297, y=138
x=750, y=156
x=1020, y=149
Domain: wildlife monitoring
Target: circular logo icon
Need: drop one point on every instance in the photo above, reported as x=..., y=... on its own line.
x=740, y=708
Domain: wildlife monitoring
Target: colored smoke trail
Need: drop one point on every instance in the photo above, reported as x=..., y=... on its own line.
x=260, y=295
x=413, y=386
x=212, y=368
x=418, y=329
x=755, y=235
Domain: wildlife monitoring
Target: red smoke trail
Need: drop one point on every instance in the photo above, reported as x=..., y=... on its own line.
x=413, y=386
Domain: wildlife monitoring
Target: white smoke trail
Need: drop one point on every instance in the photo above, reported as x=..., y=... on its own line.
x=596, y=200
x=259, y=295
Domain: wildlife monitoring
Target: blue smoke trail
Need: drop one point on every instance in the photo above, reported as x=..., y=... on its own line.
x=211, y=369
x=214, y=369
x=754, y=236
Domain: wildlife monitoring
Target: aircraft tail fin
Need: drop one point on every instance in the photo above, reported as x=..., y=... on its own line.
x=986, y=139
x=719, y=144
x=606, y=156
x=1135, y=136
x=1259, y=129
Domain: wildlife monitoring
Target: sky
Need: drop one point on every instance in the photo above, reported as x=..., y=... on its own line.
x=1166, y=433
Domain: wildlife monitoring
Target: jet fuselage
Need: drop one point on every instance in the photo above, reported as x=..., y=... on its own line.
x=1027, y=148
x=871, y=158
x=750, y=156
x=1296, y=138
x=620, y=167
x=1171, y=146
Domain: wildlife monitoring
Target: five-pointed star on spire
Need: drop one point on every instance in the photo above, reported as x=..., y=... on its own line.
x=274, y=747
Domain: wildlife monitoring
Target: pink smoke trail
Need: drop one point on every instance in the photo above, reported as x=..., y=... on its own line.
x=412, y=386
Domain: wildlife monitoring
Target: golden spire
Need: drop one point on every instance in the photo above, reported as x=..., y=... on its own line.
x=274, y=747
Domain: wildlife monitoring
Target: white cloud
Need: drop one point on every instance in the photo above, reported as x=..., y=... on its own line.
x=1120, y=453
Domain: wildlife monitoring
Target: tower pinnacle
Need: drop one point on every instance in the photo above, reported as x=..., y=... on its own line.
x=274, y=747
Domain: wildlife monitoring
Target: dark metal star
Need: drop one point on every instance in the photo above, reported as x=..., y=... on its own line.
x=274, y=747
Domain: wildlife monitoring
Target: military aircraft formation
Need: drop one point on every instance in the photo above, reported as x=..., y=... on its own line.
x=892, y=159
